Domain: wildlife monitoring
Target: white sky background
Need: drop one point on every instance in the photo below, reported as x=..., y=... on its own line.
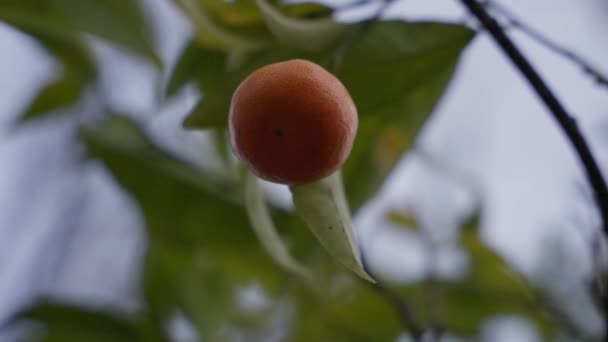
x=489, y=126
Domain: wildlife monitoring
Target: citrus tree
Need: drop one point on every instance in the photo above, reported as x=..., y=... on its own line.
x=212, y=234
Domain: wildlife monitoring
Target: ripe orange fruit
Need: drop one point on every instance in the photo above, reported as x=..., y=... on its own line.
x=292, y=122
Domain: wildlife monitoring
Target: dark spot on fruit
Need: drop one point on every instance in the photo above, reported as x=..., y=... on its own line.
x=278, y=132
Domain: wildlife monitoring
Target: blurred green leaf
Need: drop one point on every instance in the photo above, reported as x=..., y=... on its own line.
x=488, y=269
x=369, y=313
x=66, y=323
x=218, y=73
x=467, y=306
x=200, y=285
x=490, y=287
x=462, y=307
x=59, y=24
x=308, y=34
x=227, y=25
x=212, y=111
x=162, y=275
x=413, y=63
x=120, y=22
x=240, y=25
x=202, y=250
x=156, y=179
x=347, y=310
x=302, y=10
x=78, y=70
x=403, y=219
x=196, y=63
x=493, y=276
x=396, y=73
x=198, y=230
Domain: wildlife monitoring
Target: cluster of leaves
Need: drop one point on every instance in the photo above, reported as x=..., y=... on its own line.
x=489, y=287
x=62, y=28
x=202, y=252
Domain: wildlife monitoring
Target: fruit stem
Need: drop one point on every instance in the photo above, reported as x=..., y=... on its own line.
x=265, y=230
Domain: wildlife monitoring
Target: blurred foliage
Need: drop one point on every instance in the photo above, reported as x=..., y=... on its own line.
x=496, y=288
x=202, y=249
x=78, y=71
x=412, y=62
x=92, y=325
x=202, y=254
x=59, y=26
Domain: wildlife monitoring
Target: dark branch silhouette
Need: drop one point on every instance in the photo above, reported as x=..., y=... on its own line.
x=566, y=122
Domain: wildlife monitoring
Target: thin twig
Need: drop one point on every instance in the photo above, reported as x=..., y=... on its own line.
x=596, y=242
x=400, y=306
x=567, y=123
x=514, y=22
x=403, y=310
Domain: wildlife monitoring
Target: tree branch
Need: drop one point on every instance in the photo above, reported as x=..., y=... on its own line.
x=566, y=122
x=513, y=21
x=401, y=307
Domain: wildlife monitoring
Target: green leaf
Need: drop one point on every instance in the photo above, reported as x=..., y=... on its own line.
x=467, y=307
x=240, y=25
x=219, y=74
x=176, y=279
x=120, y=22
x=302, y=10
x=212, y=111
x=489, y=269
x=204, y=284
x=66, y=323
x=403, y=219
x=314, y=34
x=323, y=206
x=412, y=62
x=202, y=251
x=163, y=272
x=224, y=25
x=156, y=179
x=196, y=63
x=352, y=311
x=196, y=225
x=490, y=272
x=395, y=73
x=462, y=307
x=491, y=287
x=78, y=71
